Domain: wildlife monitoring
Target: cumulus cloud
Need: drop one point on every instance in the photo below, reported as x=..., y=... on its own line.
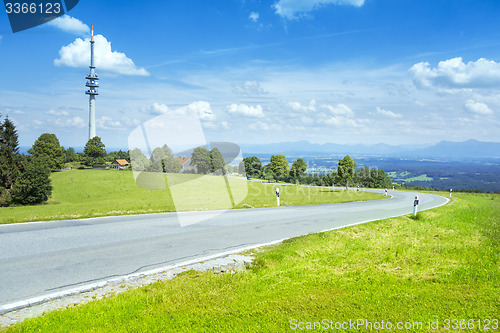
x=260, y=125
x=70, y=24
x=157, y=109
x=249, y=88
x=477, y=107
x=247, y=110
x=106, y=122
x=387, y=113
x=297, y=106
x=292, y=9
x=254, y=16
x=70, y=122
x=57, y=113
x=340, y=121
x=454, y=73
x=339, y=109
x=204, y=110
x=77, y=54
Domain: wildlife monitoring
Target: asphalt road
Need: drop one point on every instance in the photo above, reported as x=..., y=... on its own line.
x=41, y=258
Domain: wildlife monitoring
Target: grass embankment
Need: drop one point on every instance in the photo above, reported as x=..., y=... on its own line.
x=92, y=193
x=443, y=265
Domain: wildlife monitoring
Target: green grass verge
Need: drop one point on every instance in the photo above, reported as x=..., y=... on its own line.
x=443, y=265
x=93, y=193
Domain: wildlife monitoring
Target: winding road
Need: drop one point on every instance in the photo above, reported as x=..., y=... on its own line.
x=41, y=258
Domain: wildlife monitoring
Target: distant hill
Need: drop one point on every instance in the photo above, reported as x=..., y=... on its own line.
x=470, y=149
x=305, y=147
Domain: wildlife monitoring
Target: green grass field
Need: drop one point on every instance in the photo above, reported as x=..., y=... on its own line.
x=443, y=265
x=92, y=193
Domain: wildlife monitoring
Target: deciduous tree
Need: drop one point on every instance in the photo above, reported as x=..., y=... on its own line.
x=200, y=159
x=94, y=151
x=218, y=163
x=47, y=146
x=279, y=165
x=298, y=168
x=345, y=170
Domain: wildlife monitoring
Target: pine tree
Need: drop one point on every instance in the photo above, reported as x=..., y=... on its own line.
x=10, y=157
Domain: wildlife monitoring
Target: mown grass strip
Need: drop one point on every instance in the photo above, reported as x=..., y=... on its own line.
x=443, y=265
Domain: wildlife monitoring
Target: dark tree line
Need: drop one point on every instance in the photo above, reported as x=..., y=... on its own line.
x=346, y=174
x=24, y=180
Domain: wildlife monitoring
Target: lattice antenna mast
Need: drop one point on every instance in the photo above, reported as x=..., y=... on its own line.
x=92, y=84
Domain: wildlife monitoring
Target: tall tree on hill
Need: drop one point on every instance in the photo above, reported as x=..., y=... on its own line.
x=94, y=151
x=218, y=163
x=48, y=147
x=10, y=158
x=200, y=159
x=279, y=165
x=345, y=170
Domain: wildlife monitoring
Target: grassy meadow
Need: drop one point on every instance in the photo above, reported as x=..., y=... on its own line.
x=93, y=193
x=445, y=264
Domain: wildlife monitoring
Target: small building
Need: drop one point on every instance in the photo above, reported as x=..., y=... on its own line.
x=185, y=162
x=120, y=164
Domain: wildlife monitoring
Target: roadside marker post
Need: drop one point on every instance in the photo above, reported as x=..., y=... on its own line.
x=277, y=196
x=385, y=193
x=415, y=206
x=393, y=187
x=451, y=192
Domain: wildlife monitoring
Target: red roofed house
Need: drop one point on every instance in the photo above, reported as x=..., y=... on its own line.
x=120, y=164
x=185, y=162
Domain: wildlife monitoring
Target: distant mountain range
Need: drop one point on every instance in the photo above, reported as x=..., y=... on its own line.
x=470, y=149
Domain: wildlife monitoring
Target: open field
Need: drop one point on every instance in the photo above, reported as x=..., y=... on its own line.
x=442, y=265
x=92, y=193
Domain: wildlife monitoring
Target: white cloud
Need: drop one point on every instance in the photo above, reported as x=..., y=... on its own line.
x=339, y=109
x=132, y=122
x=341, y=121
x=296, y=106
x=387, y=113
x=70, y=122
x=247, y=110
x=260, y=125
x=157, y=109
x=204, y=110
x=225, y=125
x=478, y=107
x=454, y=73
x=18, y=112
x=77, y=54
x=290, y=8
x=57, y=113
x=249, y=88
x=254, y=16
x=106, y=122
x=70, y=24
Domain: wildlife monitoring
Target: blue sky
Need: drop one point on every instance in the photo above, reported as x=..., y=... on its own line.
x=342, y=71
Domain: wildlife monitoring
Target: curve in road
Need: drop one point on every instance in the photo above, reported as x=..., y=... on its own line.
x=49, y=258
